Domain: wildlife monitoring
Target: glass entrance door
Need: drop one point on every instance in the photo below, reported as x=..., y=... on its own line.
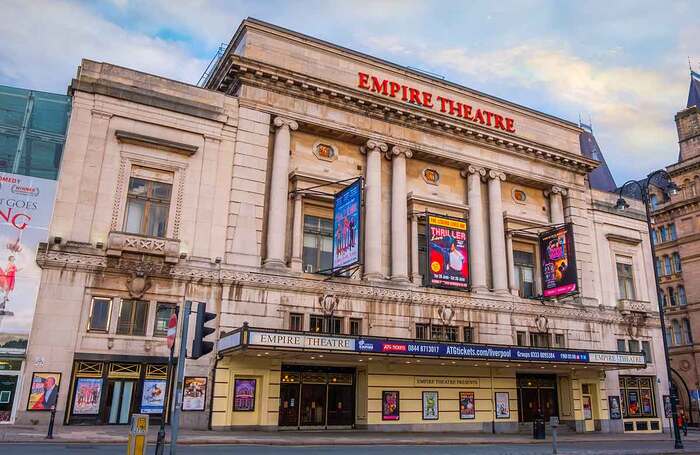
x=313, y=405
x=119, y=401
x=8, y=385
x=537, y=394
x=340, y=401
x=289, y=405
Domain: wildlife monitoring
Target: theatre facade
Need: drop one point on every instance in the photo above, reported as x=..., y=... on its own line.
x=384, y=249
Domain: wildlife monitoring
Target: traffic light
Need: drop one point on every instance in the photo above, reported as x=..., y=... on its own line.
x=199, y=346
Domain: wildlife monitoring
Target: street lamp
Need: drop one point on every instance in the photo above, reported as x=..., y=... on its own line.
x=662, y=180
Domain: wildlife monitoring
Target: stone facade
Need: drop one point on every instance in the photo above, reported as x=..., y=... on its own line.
x=242, y=156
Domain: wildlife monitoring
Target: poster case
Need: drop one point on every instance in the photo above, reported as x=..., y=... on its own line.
x=558, y=262
x=447, y=262
x=347, y=209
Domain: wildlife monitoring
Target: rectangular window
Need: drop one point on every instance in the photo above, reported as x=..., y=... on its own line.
x=559, y=340
x=468, y=334
x=422, y=247
x=100, y=310
x=326, y=324
x=524, y=268
x=318, y=244
x=443, y=333
x=646, y=349
x=163, y=313
x=621, y=345
x=296, y=322
x=625, y=281
x=521, y=338
x=355, y=326
x=539, y=340
x=147, y=207
x=422, y=332
x=634, y=345
x=132, y=318
x=637, y=396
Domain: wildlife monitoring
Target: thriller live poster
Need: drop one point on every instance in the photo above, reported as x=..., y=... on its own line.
x=447, y=252
x=559, y=276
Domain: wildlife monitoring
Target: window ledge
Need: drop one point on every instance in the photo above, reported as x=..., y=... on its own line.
x=627, y=305
x=118, y=242
x=154, y=142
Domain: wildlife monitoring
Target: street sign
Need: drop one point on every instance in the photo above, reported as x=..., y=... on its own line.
x=172, y=330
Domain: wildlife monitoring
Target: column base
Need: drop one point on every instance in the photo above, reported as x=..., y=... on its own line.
x=400, y=279
x=296, y=264
x=480, y=290
x=501, y=291
x=274, y=264
x=417, y=280
x=373, y=276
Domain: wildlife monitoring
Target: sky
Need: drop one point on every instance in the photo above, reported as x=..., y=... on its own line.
x=620, y=65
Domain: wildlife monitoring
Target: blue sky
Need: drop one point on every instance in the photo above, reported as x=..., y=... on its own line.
x=623, y=64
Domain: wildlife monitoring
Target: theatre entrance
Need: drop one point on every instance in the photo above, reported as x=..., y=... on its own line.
x=317, y=397
x=537, y=393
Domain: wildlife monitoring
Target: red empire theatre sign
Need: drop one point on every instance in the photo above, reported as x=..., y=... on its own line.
x=426, y=99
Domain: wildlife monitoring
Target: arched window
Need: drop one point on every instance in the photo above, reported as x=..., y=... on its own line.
x=654, y=201
x=677, y=263
x=692, y=189
x=687, y=334
x=681, y=296
x=667, y=265
x=672, y=231
x=671, y=297
x=663, y=233
x=677, y=337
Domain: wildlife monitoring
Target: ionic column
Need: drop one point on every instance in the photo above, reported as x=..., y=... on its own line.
x=499, y=271
x=373, y=209
x=399, y=209
x=279, y=186
x=556, y=204
x=512, y=284
x=297, y=234
x=415, y=272
x=477, y=247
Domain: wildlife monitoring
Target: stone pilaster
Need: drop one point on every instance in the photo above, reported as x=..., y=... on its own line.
x=498, y=240
x=556, y=204
x=416, y=276
x=399, y=213
x=477, y=247
x=279, y=187
x=297, y=234
x=373, y=209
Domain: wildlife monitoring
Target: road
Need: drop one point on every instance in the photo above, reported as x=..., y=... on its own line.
x=578, y=448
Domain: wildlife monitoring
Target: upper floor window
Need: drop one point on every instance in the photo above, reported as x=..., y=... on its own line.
x=654, y=201
x=147, y=207
x=443, y=332
x=692, y=189
x=677, y=263
x=355, y=326
x=468, y=335
x=524, y=265
x=132, y=318
x=687, y=334
x=540, y=340
x=100, y=310
x=654, y=237
x=621, y=345
x=667, y=265
x=296, y=322
x=671, y=297
x=677, y=337
x=326, y=324
x=422, y=332
x=659, y=270
x=163, y=313
x=664, y=234
x=318, y=244
x=672, y=231
x=559, y=341
x=646, y=349
x=662, y=298
x=625, y=281
x=682, y=300
x=520, y=338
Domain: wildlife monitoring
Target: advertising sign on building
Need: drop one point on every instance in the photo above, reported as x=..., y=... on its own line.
x=346, y=226
x=559, y=275
x=447, y=261
x=285, y=340
x=153, y=397
x=26, y=205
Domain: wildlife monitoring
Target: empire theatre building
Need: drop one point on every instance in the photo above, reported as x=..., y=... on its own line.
x=384, y=249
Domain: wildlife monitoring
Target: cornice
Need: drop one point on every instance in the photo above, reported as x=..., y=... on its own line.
x=301, y=86
x=214, y=274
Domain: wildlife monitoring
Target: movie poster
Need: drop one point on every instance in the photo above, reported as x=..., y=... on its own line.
x=244, y=394
x=26, y=206
x=346, y=226
x=614, y=407
x=467, y=405
x=559, y=276
x=502, y=405
x=194, y=393
x=431, y=405
x=153, y=396
x=43, y=391
x=632, y=403
x=646, y=402
x=667, y=406
x=390, y=405
x=447, y=252
x=587, y=408
x=87, y=396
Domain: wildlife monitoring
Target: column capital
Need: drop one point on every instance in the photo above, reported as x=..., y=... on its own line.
x=556, y=190
x=497, y=175
x=472, y=170
x=374, y=146
x=398, y=150
x=281, y=122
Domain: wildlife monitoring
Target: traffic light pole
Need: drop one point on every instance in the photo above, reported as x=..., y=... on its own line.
x=175, y=424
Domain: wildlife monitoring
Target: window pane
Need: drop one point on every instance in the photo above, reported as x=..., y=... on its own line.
x=468, y=334
x=157, y=220
x=621, y=346
x=99, y=318
x=138, y=187
x=316, y=324
x=162, y=191
x=134, y=216
x=646, y=349
x=310, y=223
x=124, y=323
x=140, y=316
x=634, y=346
x=355, y=327
x=163, y=313
x=295, y=322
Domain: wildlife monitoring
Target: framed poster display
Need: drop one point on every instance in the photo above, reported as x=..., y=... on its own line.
x=587, y=408
x=244, y=394
x=667, y=406
x=614, y=407
x=559, y=274
x=467, y=405
x=632, y=403
x=87, y=396
x=43, y=391
x=502, y=405
x=447, y=264
x=431, y=405
x=153, y=396
x=194, y=393
x=390, y=405
x=347, y=206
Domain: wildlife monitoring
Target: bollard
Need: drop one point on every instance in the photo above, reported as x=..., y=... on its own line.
x=554, y=423
x=137, y=435
x=49, y=435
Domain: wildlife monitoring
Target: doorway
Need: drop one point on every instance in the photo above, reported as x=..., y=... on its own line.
x=587, y=399
x=120, y=394
x=537, y=394
x=8, y=387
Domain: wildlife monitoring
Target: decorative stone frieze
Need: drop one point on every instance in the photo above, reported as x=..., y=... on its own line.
x=117, y=242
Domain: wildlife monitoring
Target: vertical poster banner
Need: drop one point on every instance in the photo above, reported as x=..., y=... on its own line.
x=244, y=394
x=431, y=405
x=467, y=406
x=43, y=391
x=346, y=226
x=559, y=275
x=502, y=405
x=153, y=396
x=447, y=252
x=390, y=405
x=26, y=206
x=667, y=406
x=614, y=407
x=587, y=408
x=87, y=396
x=194, y=394
x=632, y=403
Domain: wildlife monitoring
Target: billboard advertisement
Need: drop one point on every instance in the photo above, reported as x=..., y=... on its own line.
x=559, y=275
x=447, y=262
x=346, y=226
x=26, y=206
